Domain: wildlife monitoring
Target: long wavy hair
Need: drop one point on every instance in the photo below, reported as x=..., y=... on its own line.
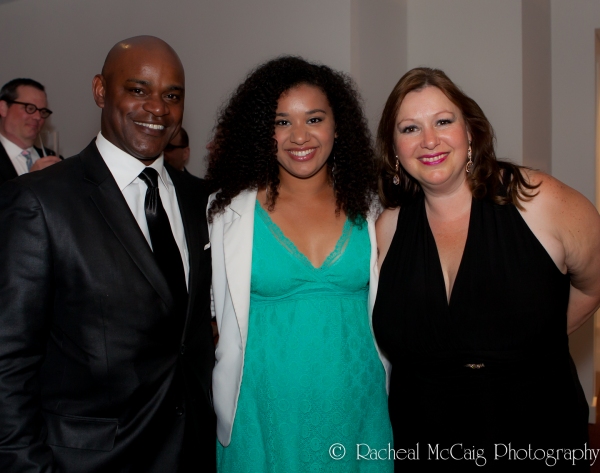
x=500, y=181
x=243, y=153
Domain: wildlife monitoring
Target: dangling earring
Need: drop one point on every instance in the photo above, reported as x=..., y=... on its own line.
x=469, y=166
x=396, y=179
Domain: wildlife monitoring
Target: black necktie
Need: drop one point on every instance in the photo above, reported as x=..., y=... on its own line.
x=165, y=248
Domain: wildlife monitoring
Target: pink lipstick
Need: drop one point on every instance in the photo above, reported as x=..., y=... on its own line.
x=433, y=159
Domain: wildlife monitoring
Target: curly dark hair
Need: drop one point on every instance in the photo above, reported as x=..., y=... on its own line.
x=244, y=151
x=500, y=181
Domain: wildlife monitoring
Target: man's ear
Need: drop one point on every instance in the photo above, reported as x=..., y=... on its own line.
x=3, y=108
x=99, y=90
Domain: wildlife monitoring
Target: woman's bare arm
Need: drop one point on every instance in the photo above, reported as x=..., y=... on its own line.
x=568, y=226
x=385, y=228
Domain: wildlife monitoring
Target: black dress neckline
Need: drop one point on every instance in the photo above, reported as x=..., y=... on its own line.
x=433, y=244
x=506, y=315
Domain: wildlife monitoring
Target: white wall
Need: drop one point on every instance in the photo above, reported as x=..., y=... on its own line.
x=379, y=49
x=537, y=84
x=478, y=44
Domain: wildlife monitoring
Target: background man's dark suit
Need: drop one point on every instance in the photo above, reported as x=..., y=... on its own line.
x=7, y=170
x=94, y=366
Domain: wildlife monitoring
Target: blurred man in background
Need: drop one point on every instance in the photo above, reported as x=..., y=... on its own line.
x=23, y=112
x=177, y=152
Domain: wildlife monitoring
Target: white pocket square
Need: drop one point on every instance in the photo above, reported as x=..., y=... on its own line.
x=207, y=246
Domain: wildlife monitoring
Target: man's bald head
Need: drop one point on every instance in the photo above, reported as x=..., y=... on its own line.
x=135, y=45
x=141, y=92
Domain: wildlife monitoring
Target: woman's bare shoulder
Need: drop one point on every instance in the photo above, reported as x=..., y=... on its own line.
x=388, y=216
x=565, y=214
x=556, y=200
x=576, y=223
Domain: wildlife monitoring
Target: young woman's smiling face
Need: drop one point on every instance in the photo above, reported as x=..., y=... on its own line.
x=304, y=130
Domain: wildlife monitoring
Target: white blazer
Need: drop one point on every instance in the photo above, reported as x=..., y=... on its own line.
x=231, y=236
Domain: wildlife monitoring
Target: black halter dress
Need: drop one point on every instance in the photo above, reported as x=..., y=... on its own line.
x=486, y=378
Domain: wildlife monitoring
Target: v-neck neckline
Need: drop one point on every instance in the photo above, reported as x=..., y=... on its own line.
x=293, y=249
x=448, y=298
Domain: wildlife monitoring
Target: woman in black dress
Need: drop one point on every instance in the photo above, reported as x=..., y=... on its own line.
x=485, y=267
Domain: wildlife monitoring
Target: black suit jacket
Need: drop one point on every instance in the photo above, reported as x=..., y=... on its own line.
x=7, y=170
x=97, y=374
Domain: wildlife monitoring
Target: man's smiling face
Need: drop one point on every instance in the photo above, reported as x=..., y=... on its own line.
x=141, y=93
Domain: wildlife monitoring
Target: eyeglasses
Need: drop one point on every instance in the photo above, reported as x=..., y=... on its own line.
x=31, y=109
x=171, y=147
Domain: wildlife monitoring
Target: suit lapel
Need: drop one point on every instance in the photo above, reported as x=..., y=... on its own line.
x=195, y=233
x=238, y=234
x=114, y=209
x=7, y=170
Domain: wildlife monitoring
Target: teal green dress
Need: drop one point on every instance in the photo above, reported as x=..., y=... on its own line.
x=312, y=377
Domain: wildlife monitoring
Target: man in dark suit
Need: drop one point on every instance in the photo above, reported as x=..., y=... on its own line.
x=106, y=348
x=23, y=112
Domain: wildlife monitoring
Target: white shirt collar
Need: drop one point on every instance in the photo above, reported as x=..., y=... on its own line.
x=12, y=149
x=124, y=167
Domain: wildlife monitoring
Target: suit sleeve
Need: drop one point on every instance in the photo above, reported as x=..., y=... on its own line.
x=25, y=308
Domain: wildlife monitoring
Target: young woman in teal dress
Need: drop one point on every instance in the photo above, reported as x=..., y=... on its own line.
x=299, y=384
